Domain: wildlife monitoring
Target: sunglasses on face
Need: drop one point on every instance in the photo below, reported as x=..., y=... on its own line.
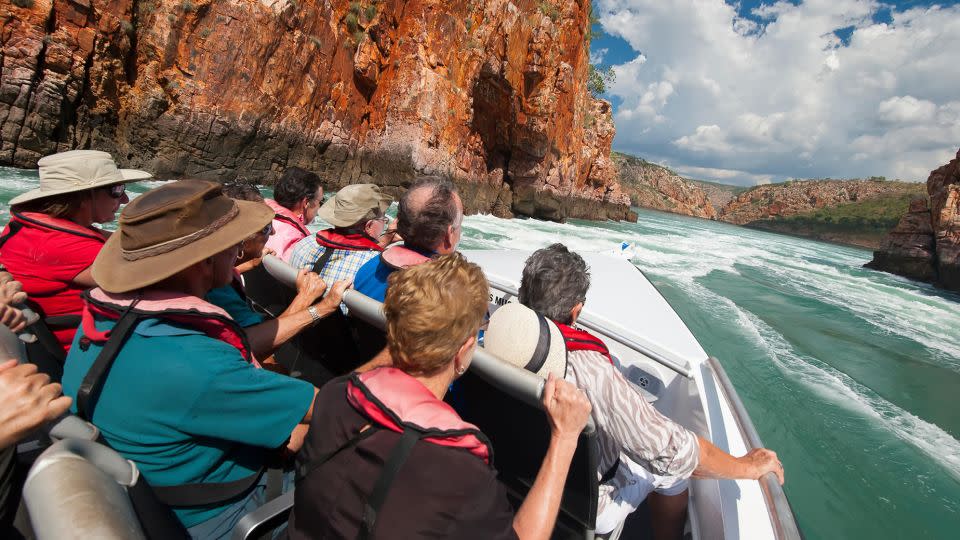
x=268, y=230
x=117, y=191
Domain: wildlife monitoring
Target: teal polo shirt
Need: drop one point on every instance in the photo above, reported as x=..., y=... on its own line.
x=228, y=299
x=187, y=408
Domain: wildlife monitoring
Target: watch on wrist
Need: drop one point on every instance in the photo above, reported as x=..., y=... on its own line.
x=314, y=314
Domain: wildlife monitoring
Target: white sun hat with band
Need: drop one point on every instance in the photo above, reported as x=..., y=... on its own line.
x=526, y=339
x=77, y=170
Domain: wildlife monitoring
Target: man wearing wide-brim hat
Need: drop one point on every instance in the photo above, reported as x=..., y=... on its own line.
x=361, y=229
x=183, y=396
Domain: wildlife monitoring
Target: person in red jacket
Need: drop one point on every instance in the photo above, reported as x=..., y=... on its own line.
x=51, y=241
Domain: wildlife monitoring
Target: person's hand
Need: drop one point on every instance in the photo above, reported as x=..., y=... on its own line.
x=331, y=301
x=567, y=407
x=246, y=266
x=310, y=286
x=29, y=400
x=11, y=291
x=12, y=318
x=762, y=461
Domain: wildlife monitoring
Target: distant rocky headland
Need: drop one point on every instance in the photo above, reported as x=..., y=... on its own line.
x=490, y=94
x=855, y=212
x=925, y=245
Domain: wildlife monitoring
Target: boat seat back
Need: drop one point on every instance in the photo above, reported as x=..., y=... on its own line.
x=77, y=489
x=520, y=435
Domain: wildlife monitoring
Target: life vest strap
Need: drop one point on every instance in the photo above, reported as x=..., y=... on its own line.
x=398, y=456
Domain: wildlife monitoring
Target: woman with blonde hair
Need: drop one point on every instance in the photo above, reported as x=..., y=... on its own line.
x=385, y=457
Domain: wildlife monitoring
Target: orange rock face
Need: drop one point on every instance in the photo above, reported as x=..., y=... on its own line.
x=925, y=244
x=490, y=94
x=943, y=185
x=652, y=186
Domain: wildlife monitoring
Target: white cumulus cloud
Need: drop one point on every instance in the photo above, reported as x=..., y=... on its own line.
x=782, y=96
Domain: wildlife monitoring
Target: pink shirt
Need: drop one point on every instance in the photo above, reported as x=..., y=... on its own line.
x=288, y=229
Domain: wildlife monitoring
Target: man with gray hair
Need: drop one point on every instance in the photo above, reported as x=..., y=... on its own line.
x=641, y=452
x=429, y=220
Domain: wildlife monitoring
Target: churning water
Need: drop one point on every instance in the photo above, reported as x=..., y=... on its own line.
x=851, y=375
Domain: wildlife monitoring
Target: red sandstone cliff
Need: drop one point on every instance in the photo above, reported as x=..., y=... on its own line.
x=492, y=94
x=925, y=245
x=652, y=186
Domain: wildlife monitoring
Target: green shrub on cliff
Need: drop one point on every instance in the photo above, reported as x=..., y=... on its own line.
x=598, y=79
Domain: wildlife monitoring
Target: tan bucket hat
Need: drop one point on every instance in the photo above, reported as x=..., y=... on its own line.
x=527, y=340
x=77, y=170
x=352, y=203
x=170, y=228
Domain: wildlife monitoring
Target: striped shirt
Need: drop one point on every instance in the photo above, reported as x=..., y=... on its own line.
x=342, y=265
x=629, y=427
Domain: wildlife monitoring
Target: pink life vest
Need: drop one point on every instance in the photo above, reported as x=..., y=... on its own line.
x=175, y=307
x=396, y=401
x=400, y=257
x=581, y=340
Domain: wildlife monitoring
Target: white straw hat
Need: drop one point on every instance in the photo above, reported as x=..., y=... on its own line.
x=526, y=339
x=77, y=170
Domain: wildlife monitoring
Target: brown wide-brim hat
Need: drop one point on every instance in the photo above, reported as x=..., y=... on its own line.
x=171, y=228
x=352, y=203
x=77, y=170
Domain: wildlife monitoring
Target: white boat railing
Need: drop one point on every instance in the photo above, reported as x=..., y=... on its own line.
x=518, y=383
x=586, y=322
x=781, y=514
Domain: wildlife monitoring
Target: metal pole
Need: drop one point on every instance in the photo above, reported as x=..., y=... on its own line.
x=781, y=514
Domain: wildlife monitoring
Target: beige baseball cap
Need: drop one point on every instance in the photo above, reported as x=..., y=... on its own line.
x=77, y=170
x=352, y=203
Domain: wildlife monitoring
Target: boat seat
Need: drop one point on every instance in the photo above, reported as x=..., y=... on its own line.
x=520, y=435
x=78, y=489
x=264, y=519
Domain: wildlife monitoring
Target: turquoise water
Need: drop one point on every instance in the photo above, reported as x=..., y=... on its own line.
x=851, y=375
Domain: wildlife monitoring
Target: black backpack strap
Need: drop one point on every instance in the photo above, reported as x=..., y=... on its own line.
x=206, y=493
x=309, y=465
x=14, y=227
x=611, y=472
x=47, y=340
x=323, y=260
x=396, y=460
x=95, y=376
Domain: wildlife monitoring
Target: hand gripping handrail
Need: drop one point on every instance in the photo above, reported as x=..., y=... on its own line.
x=781, y=514
x=516, y=382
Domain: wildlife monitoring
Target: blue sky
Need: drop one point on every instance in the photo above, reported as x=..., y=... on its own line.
x=759, y=91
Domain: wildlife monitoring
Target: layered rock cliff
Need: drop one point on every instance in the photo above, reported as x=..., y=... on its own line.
x=804, y=196
x=651, y=186
x=925, y=245
x=491, y=94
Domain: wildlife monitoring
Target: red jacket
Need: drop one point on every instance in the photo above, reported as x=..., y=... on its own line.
x=45, y=254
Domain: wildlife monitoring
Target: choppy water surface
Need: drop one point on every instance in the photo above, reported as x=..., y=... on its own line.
x=851, y=375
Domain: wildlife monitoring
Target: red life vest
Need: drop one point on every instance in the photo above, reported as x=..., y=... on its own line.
x=331, y=239
x=581, y=340
x=29, y=250
x=175, y=307
x=400, y=257
x=396, y=401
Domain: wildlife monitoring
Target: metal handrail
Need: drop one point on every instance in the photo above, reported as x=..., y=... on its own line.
x=586, y=322
x=518, y=383
x=781, y=514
